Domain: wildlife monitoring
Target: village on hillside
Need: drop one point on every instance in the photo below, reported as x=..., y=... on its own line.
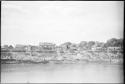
x=91, y=51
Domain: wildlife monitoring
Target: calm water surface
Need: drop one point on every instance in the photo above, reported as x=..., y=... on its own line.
x=61, y=73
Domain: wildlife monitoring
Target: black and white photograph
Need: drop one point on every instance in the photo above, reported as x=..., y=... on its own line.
x=62, y=42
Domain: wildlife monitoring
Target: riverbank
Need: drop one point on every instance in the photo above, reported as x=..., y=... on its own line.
x=57, y=62
x=66, y=58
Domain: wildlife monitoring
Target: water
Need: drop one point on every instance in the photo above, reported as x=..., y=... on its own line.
x=61, y=73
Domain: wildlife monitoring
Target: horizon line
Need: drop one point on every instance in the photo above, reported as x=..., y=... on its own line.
x=59, y=43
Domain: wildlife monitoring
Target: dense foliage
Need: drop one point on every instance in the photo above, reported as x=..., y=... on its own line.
x=113, y=42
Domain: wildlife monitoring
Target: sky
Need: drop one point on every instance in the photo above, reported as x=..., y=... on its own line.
x=31, y=22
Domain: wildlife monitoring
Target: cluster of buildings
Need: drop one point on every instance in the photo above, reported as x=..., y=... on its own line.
x=26, y=48
x=50, y=51
x=46, y=47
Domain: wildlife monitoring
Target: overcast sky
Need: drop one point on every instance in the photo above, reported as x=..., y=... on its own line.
x=30, y=22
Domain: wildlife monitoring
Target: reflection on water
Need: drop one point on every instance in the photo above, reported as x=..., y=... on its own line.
x=61, y=73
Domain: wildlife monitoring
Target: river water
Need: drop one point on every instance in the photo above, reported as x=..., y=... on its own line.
x=61, y=73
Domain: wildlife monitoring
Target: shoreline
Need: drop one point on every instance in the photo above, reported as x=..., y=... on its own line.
x=66, y=58
x=58, y=62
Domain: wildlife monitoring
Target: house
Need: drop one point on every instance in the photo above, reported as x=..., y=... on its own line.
x=47, y=47
x=4, y=50
x=59, y=49
x=19, y=48
x=28, y=48
x=34, y=48
x=97, y=49
x=5, y=46
x=114, y=49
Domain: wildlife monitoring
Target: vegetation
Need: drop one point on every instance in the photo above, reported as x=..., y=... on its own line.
x=113, y=42
x=68, y=51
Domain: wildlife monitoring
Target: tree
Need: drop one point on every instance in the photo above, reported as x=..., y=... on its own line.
x=120, y=42
x=99, y=44
x=66, y=45
x=113, y=42
x=90, y=44
x=82, y=44
x=10, y=47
